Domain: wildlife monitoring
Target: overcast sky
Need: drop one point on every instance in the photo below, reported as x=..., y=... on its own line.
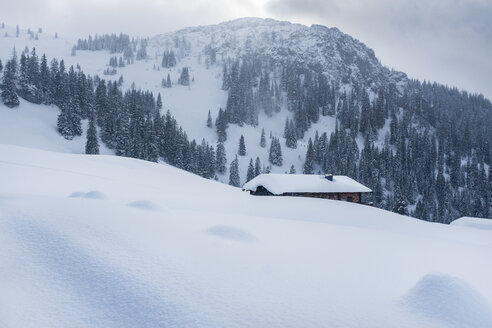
x=449, y=41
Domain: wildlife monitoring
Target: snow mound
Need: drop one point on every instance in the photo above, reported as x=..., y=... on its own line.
x=231, y=233
x=93, y=194
x=449, y=300
x=145, y=205
x=77, y=194
x=471, y=222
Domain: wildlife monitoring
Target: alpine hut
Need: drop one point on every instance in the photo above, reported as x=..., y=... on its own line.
x=339, y=187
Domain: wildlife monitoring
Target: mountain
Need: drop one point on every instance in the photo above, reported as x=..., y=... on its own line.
x=106, y=241
x=323, y=49
x=424, y=148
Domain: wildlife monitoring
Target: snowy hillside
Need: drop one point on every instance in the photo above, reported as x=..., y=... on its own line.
x=190, y=105
x=105, y=241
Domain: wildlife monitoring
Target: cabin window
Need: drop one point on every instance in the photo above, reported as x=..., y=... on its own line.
x=350, y=199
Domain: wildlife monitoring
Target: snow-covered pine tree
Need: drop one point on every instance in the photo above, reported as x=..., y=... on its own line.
x=400, y=205
x=150, y=141
x=234, y=179
x=292, y=169
x=168, y=81
x=275, y=155
x=221, y=125
x=251, y=171
x=184, y=79
x=242, y=146
x=290, y=134
x=220, y=158
x=262, y=138
x=92, y=144
x=159, y=102
x=8, y=86
x=209, y=120
x=309, y=163
x=69, y=125
x=225, y=78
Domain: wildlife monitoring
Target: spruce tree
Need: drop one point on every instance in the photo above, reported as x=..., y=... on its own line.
x=290, y=134
x=400, y=205
x=168, y=81
x=221, y=125
x=263, y=139
x=8, y=87
x=184, y=79
x=220, y=158
x=242, y=146
x=309, y=163
x=92, y=145
x=234, y=179
x=292, y=169
x=275, y=154
x=68, y=124
x=209, y=120
x=251, y=171
x=159, y=102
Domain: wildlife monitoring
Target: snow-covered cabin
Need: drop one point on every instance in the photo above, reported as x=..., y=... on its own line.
x=339, y=187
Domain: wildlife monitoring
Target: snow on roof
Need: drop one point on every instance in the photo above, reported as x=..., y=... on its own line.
x=278, y=184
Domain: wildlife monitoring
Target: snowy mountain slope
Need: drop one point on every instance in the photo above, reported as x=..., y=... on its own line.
x=333, y=52
x=105, y=241
x=190, y=105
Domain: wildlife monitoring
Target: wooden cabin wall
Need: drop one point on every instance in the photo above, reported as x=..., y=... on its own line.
x=356, y=196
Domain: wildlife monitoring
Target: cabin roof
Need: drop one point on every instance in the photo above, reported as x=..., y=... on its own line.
x=278, y=184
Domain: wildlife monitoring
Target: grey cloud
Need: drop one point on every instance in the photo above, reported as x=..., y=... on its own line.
x=449, y=41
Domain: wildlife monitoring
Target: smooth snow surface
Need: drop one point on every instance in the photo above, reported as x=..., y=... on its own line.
x=278, y=184
x=472, y=222
x=104, y=241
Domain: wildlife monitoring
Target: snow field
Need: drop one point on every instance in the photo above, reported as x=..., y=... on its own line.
x=207, y=254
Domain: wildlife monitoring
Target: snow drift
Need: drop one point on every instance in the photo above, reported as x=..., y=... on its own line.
x=449, y=300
